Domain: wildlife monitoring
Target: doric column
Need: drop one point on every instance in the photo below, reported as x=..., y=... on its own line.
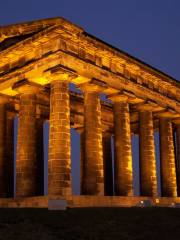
x=93, y=183
x=26, y=161
x=123, y=174
x=107, y=156
x=178, y=157
x=59, y=177
x=82, y=157
x=167, y=157
x=10, y=153
x=148, y=178
x=40, y=154
x=3, y=172
x=6, y=150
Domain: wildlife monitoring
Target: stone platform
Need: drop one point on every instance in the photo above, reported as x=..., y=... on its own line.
x=91, y=201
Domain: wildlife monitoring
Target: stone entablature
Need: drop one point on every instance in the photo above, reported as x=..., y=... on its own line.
x=39, y=60
x=59, y=42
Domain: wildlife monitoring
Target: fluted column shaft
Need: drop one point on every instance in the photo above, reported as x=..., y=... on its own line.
x=148, y=178
x=93, y=183
x=107, y=156
x=167, y=157
x=26, y=164
x=123, y=178
x=59, y=164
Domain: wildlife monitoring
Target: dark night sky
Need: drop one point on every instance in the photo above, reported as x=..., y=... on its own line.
x=148, y=30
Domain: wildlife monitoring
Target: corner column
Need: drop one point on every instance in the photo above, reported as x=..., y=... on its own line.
x=59, y=164
x=93, y=183
x=123, y=174
x=167, y=158
x=148, y=178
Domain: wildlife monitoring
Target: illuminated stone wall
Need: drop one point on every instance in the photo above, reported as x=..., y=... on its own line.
x=35, y=73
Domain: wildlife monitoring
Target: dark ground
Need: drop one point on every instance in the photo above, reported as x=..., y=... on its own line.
x=90, y=223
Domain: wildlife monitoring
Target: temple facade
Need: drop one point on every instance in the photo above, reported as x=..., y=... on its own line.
x=39, y=60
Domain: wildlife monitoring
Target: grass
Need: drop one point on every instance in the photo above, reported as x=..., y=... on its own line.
x=90, y=223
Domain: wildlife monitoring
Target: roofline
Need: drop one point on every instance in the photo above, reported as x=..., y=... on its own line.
x=132, y=57
x=41, y=22
x=54, y=20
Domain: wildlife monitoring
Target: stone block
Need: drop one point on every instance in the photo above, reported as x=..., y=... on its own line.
x=57, y=204
x=144, y=203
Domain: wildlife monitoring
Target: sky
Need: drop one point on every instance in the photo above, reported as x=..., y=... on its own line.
x=146, y=29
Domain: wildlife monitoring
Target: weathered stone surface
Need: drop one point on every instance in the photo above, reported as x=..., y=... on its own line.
x=58, y=57
x=59, y=164
x=108, y=172
x=90, y=201
x=93, y=183
x=3, y=173
x=40, y=155
x=82, y=157
x=26, y=161
x=148, y=178
x=6, y=152
x=123, y=175
x=167, y=157
x=178, y=157
x=57, y=204
x=10, y=171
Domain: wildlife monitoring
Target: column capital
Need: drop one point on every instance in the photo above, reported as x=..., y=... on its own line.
x=60, y=76
x=176, y=121
x=60, y=73
x=94, y=85
x=3, y=99
x=170, y=115
x=80, y=130
x=24, y=86
x=106, y=129
x=147, y=105
x=118, y=98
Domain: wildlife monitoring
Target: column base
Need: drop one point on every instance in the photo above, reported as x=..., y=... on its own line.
x=76, y=201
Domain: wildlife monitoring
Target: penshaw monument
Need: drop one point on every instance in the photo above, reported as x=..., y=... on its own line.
x=38, y=62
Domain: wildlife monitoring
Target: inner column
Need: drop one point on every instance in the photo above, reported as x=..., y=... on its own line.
x=3, y=173
x=82, y=155
x=148, y=178
x=40, y=154
x=167, y=158
x=93, y=182
x=26, y=164
x=107, y=156
x=10, y=153
x=59, y=163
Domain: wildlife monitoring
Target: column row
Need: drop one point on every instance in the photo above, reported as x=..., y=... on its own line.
x=96, y=157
